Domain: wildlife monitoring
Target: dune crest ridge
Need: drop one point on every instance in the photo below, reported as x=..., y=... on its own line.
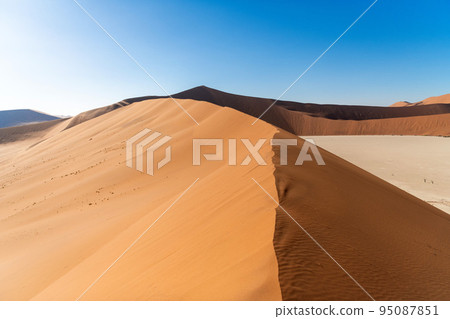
x=70, y=207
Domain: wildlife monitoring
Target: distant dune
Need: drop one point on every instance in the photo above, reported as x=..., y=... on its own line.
x=311, y=119
x=27, y=132
x=70, y=206
x=401, y=104
x=441, y=99
x=316, y=119
x=23, y=116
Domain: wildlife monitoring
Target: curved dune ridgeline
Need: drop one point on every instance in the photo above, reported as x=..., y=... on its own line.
x=327, y=119
x=70, y=206
x=428, y=101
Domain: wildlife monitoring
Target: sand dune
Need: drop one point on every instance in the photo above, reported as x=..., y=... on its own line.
x=69, y=207
x=434, y=125
x=15, y=139
x=35, y=131
x=23, y=116
x=401, y=104
x=436, y=99
x=317, y=119
x=88, y=115
x=392, y=243
x=441, y=99
x=256, y=105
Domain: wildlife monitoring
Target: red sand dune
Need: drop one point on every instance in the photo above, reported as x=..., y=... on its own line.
x=69, y=207
x=441, y=99
x=25, y=132
x=317, y=119
x=395, y=245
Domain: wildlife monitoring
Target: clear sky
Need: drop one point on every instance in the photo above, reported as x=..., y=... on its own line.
x=53, y=58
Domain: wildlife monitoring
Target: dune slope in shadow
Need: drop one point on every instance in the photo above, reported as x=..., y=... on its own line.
x=392, y=243
x=328, y=119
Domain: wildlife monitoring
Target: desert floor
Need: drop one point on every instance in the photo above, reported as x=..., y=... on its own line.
x=416, y=164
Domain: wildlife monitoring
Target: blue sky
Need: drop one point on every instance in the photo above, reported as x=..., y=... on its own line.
x=55, y=59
